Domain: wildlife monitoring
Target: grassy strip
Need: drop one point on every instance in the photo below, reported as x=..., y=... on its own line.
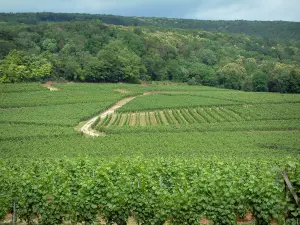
x=187, y=116
x=127, y=119
x=138, y=119
x=148, y=121
x=222, y=114
x=109, y=117
x=103, y=121
x=168, y=117
x=238, y=114
x=152, y=118
x=196, y=116
x=244, y=126
x=117, y=120
x=96, y=122
x=123, y=119
x=179, y=118
x=163, y=117
x=113, y=119
x=213, y=115
x=158, y=117
x=233, y=115
x=203, y=114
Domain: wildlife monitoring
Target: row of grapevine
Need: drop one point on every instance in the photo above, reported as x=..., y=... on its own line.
x=152, y=191
x=171, y=117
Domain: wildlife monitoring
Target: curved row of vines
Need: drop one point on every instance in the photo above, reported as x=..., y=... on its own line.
x=171, y=117
x=152, y=191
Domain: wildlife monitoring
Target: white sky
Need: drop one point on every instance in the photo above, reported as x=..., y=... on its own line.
x=288, y=10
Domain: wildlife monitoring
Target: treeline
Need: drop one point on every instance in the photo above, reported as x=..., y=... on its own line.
x=96, y=52
x=278, y=29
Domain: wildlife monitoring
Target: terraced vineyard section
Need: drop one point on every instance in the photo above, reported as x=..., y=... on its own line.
x=173, y=100
x=172, y=117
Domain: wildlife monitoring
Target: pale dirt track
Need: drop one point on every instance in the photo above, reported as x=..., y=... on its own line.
x=49, y=86
x=87, y=127
x=88, y=130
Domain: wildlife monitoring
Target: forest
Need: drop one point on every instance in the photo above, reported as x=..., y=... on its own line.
x=242, y=55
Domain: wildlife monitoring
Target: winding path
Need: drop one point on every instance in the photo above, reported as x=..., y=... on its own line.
x=87, y=127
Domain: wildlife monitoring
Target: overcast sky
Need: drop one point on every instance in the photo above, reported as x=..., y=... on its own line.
x=288, y=10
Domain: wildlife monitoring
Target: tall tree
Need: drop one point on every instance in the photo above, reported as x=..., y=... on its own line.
x=232, y=76
x=118, y=63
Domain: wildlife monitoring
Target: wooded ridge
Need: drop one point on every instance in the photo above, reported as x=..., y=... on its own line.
x=243, y=55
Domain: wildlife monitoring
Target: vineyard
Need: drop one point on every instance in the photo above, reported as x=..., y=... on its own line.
x=169, y=117
x=259, y=117
x=175, y=155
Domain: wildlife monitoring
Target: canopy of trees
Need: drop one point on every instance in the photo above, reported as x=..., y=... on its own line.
x=268, y=29
x=79, y=47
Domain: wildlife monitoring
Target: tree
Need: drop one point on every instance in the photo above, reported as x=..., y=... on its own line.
x=12, y=68
x=232, y=76
x=39, y=68
x=208, y=75
x=260, y=81
x=208, y=57
x=17, y=67
x=5, y=48
x=279, y=78
x=132, y=41
x=118, y=63
x=294, y=81
x=96, y=42
x=81, y=47
x=49, y=45
x=250, y=65
x=156, y=67
x=192, y=81
x=67, y=66
x=175, y=71
x=138, y=31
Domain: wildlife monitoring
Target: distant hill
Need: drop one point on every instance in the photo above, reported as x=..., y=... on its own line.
x=268, y=29
x=243, y=55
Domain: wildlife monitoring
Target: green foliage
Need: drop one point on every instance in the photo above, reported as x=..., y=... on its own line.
x=232, y=76
x=17, y=67
x=49, y=45
x=294, y=81
x=161, y=101
x=80, y=47
x=199, y=159
x=119, y=64
x=292, y=209
x=154, y=191
x=260, y=81
x=208, y=57
x=266, y=29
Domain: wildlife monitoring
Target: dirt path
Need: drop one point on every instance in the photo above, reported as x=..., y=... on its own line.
x=49, y=86
x=87, y=127
x=144, y=118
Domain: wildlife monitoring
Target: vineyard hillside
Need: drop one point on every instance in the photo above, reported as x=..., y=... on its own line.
x=157, y=153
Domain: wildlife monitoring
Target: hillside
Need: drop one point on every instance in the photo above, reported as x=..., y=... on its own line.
x=80, y=47
x=269, y=29
x=174, y=154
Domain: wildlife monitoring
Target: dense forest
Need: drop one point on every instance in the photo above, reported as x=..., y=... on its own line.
x=243, y=55
x=268, y=29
